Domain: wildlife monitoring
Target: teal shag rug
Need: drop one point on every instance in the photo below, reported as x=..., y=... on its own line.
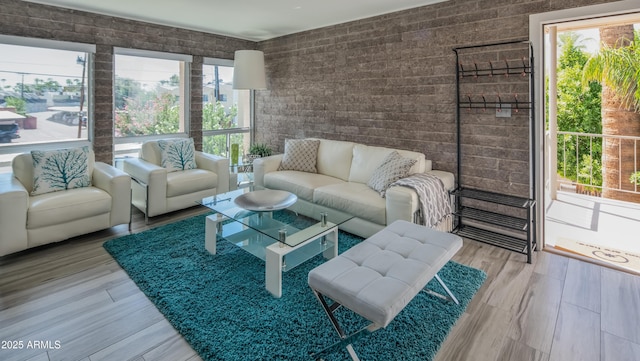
x=220, y=306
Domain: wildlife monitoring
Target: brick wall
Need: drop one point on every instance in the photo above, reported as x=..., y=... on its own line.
x=26, y=19
x=390, y=81
x=387, y=80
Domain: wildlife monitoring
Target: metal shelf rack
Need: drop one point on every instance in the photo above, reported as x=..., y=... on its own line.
x=512, y=226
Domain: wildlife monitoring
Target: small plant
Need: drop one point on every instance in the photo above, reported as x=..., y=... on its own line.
x=260, y=149
x=635, y=178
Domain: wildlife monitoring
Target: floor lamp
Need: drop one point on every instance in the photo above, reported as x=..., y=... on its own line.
x=248, y=73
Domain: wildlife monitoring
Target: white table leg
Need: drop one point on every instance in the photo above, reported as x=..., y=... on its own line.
x=331, y=251
x=273, y=270
x=211, y=230
x=274, y=256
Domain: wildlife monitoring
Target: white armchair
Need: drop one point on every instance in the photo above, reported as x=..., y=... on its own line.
x=28, y=220
x=157, y=191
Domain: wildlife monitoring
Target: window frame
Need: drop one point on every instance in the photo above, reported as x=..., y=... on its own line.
x=228, y=132
x=90, y=50
x=186, y=95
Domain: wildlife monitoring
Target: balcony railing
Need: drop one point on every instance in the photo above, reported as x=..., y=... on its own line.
x=582, y=158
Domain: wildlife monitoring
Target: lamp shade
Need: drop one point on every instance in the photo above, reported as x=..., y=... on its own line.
x=248, y=70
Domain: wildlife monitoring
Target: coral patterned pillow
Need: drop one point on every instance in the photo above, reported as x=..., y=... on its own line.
x=177, y=154
x=61, y=169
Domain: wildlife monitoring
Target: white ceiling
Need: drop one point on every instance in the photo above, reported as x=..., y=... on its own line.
x=245, y=19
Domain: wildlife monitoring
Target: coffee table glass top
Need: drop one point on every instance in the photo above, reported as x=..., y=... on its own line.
x=284, y=225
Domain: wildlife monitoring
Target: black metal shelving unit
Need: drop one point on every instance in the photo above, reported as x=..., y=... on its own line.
x=506, y=225
x=513, y=226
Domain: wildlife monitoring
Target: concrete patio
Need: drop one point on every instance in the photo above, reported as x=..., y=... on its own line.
x=594, y=221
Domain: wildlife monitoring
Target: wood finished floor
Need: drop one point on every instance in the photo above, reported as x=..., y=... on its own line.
x=556, y=309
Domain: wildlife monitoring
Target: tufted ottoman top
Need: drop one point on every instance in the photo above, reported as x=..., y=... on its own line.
x=380, y=276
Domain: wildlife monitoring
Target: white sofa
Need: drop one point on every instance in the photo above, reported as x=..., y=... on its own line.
x=157, y=191
x=28, y=221
x=340, y=185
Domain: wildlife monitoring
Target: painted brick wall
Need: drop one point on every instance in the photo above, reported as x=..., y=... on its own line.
x=390, y=81
x=26, y=19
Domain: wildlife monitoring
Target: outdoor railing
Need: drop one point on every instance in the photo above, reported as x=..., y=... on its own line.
x=582, y=156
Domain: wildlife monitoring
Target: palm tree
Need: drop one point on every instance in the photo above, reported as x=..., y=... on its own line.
x=617, y=68
x=578, y=110
x=573, y=40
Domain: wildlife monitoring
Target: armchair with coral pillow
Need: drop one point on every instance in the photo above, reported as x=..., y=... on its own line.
x=170, y=175
x=54, y=195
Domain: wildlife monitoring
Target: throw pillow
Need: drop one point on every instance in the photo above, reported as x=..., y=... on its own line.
x=300, y=155
x=58, y=170
x=177, y=154
x=392, y=168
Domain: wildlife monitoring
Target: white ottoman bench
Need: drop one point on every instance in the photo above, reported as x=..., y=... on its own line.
x=378, y=277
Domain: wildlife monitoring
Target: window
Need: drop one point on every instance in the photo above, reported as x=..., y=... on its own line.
x=44, y=89
x=226, y=113
x=151, y=94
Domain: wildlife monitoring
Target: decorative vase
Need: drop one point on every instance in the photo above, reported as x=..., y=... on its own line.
x=235, y=153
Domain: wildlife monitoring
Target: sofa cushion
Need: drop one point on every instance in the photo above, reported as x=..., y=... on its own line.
x=64, y=206
x=61, y=169
x=334, y=158
x=421, y=163
x=190, y=181
x=301, y=184
x=177, y=154
x=353, y=198
x=392, y=168
x=367, y=158
x=300, y=155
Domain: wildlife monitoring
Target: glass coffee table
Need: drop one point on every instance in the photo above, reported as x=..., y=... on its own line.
x=283, y=239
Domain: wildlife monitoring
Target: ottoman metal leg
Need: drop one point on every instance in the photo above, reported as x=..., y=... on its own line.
x=346, y=340
x=449, y=296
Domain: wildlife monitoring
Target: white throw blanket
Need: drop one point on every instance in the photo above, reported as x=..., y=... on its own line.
x=433, y=197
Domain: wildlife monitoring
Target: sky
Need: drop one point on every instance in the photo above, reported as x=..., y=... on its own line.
x=590, y=39
x=60, y=65
x=148, y=72
x=39, y=63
